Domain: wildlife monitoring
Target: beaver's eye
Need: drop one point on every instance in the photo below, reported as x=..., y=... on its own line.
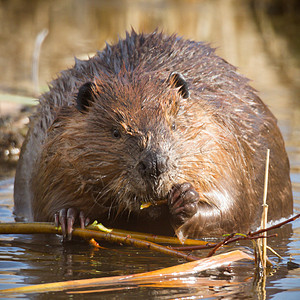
x=116, y=133
x=173, y=126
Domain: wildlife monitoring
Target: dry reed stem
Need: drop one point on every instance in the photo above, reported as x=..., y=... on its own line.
x=264, y=218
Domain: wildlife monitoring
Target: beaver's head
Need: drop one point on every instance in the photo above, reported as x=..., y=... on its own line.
x=122, y=138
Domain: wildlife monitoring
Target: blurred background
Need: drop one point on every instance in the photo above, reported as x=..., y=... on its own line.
x=261, y=37
x=40, y=38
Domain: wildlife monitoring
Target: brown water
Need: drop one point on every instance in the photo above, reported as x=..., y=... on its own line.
x=253, y=36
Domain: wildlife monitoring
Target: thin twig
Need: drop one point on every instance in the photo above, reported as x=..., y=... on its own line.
x=274, y=226
x=274, y=252
x=213, y=251
x=235, y=237
x=148, y=237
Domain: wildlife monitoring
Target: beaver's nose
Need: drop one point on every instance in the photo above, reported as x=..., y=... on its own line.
x=152, y=165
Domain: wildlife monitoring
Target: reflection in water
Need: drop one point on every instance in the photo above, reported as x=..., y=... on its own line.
x=250, y=34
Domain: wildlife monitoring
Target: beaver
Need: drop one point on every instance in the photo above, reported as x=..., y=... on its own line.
x=153, y=117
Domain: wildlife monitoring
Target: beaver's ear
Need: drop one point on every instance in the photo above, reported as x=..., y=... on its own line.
x=85, y=96
x=177, y=80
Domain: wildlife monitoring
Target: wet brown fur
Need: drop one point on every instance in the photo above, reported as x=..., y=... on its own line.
x=222, y=131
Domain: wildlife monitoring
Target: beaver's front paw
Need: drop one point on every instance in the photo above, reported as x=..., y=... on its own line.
x=183, y=202
x=66, y=219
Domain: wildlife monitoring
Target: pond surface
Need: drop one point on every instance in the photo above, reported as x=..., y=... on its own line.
x=246, y=35
x=33, y=259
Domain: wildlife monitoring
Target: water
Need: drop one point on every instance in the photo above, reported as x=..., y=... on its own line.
x=259, y=43
x=28, y=259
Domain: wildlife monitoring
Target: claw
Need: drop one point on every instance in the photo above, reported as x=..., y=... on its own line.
x=182, y=202
x=87, y=222
x=66, y=218
x=62, y=221
x=83, y=220
x=71, y=216
x=56, y=219
x=174, y=194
